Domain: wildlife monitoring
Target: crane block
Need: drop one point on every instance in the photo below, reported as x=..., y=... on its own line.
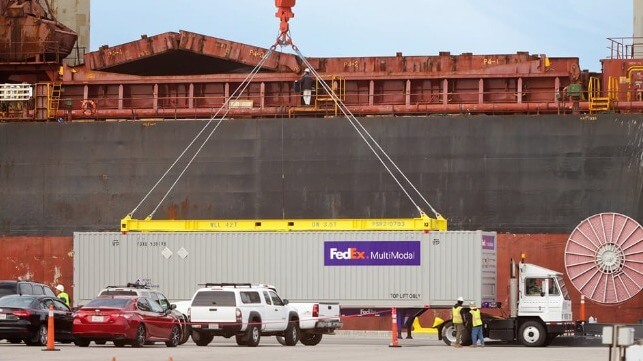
x=284, y=12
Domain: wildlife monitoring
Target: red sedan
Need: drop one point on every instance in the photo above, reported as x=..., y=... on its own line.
x=124, y=321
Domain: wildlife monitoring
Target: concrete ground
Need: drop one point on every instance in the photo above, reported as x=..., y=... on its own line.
x=337, y=347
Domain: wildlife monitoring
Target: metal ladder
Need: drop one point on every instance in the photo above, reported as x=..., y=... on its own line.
x=54, y=90
x=597, y=103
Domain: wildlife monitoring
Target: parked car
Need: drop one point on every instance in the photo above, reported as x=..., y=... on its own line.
x=137, y=289
x=24, y=288
x=125, y=320
x=25, y=318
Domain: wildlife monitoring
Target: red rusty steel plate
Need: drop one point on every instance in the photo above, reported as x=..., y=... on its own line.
x=604, y=258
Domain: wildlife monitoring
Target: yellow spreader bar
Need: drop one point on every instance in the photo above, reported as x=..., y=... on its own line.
x=423, y=223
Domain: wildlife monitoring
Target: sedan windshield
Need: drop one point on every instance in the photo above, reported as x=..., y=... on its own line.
x=16, y=301
x=108, y=303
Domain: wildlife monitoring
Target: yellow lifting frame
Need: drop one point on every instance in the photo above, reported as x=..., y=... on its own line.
x=423, y=223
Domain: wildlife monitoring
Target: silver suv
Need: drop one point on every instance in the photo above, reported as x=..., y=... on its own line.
x=138, y=289
x=242, y=310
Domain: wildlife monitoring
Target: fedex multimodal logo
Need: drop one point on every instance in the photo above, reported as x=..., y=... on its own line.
x=365, y=253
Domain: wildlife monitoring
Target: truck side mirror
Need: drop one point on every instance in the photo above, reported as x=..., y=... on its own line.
x=285, y=302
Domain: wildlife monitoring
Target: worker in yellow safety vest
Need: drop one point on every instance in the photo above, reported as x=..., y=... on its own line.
x=458, y=322
x=62, y=295
x=476, y=331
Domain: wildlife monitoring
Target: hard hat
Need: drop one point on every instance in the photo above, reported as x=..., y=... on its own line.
x=460, y=299
x=307, y=70
x=60, y=288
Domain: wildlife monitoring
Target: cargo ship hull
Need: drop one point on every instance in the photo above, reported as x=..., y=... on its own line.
x=518, y=174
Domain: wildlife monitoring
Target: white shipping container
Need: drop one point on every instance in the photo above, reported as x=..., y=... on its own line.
x=356, y=269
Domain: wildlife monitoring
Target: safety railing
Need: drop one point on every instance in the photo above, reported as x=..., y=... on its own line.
x=626, y=47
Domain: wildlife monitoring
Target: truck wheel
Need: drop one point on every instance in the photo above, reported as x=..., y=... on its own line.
x=448, y=333
x=241, y=340
x=291, y=336
x=253, y=335
x=311, y=339
x=201, y=339
x=532, y=334
x=281, y=340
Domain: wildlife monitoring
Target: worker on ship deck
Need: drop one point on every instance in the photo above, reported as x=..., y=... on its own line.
x=306, y=84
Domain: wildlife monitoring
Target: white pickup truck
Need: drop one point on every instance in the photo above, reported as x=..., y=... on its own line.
x=249, y=311
x=242, y=310
x=315, y=320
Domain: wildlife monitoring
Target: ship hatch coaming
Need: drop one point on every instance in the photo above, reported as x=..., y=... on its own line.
x=179, y=63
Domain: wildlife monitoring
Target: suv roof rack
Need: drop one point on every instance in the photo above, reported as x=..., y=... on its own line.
x=235, y=285
x=136, y=284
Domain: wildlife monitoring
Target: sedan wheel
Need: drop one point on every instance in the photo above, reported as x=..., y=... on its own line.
x=40, y=338
x=139, y=341
x=81, y=342
x=175, y=337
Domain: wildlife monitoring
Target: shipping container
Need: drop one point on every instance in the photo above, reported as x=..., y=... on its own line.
x=356, y=269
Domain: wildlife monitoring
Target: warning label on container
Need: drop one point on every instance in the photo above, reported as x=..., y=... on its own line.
x=364, y=253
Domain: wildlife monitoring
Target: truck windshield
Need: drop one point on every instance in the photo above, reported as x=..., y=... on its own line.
x=563, y=287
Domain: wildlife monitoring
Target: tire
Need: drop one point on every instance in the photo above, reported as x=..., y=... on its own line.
x=119, y=343
x=311, y=339
x=175, y=337
x=281, y=340
x=253, y=335
x=448, y=333
x=292, y=333
x=532, y=334
x=81, y=342
x=201, y=339
x=40, y=338
x=185, y=335
x=141, y=336
x=241, y=340
x=100, y=342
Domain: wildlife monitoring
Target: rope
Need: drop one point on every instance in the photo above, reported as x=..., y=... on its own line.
x=235, y=95
x=358, y=125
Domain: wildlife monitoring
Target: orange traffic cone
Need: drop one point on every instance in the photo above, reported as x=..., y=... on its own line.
x=394, y=342
x=50, y=331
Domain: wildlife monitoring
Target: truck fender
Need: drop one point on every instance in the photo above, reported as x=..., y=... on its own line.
x=256, y=316
x=292, y=316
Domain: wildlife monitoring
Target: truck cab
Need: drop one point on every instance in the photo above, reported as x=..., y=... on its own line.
x=542, y=293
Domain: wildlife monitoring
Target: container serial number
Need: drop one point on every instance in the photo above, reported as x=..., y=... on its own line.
x=151, y=244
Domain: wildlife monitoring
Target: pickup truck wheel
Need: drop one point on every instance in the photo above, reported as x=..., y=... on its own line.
x=281, y=340
x=201, y=339
x=311, y=339
x=241, y=340
x=532, y=334
x=448, y=333
x=291, y=335
x=253, y=335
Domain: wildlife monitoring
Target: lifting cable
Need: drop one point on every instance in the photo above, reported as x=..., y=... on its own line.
x=373, y=145
x=367, y=137
x=235, y=96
